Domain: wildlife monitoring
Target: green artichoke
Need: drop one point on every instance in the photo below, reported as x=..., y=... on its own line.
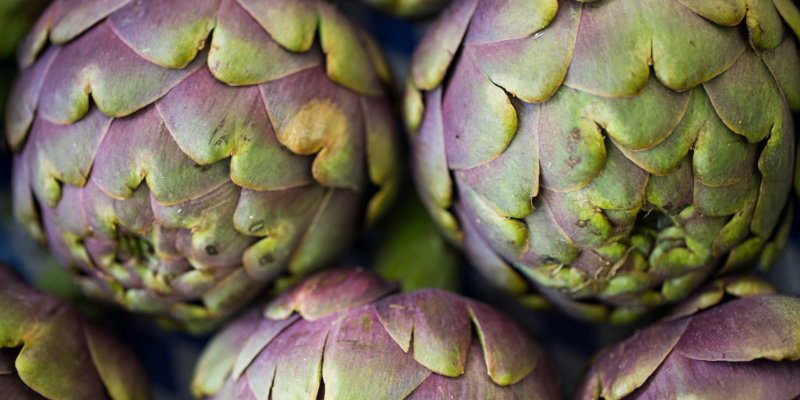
x=49, y=351
x=610, y=155
x=16, y=18
x=408, y=8
x=412, y=252
x=341, y=334
x=734, y=340
x=180, y=156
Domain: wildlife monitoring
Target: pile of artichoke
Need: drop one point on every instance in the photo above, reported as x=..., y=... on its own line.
x=203, y=163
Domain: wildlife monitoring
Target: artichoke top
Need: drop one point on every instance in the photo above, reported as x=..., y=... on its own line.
x=49, y=351
x=734, y=339
x=342, y=334
x=186, y=153
x=612, y=154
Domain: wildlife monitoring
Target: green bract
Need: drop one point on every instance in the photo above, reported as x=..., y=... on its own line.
x=181, y=155
x=609, y=155
x=49, y=351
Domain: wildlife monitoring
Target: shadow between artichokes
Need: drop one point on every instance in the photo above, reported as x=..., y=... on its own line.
x=180, y=156
x=735, y=339
x=49, y=351
x=609, y=155
x=342, y=334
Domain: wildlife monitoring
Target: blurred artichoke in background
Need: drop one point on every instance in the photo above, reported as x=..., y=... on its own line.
x=49, y=351
x=408, y=8
x=181, y=155
x=16, y=18
x=735, y=339
x=609, y=155
x=411, y=250
x=340, y=334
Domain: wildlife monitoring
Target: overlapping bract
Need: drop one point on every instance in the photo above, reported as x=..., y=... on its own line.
x=181, y=155
x=735, y=339
x=611, y=155
x=340, y=334
x=408, y=8
x=49, y=351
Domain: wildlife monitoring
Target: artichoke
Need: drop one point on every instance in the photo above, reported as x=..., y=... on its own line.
x=609, y=155
x=341, y=334
x=49, y=351
x=16, y=18
x=735, y=340
x=180, y=156
x=412, y=252
x=408, y=8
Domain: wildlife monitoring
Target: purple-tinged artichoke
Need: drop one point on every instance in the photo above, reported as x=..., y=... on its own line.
x=408, y=8
x=341, y=334
x=49, y=351
x=609, y=155
x=182, y=155
x=735, y=339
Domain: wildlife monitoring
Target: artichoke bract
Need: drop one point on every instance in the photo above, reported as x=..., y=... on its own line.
x=341, y=334
x=182, y=155
x=610, y=155
x=49, y=351
x=408, y=8
x=736, y=339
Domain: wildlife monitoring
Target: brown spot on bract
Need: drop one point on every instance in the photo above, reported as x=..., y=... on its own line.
x=265, y=259
x=547, y=260
x=219, y=126
x=575, y=134
x=581, y=223
x=366, y=323
x=572, y=161
x=211, y=250
x=202, y=168
x=256, y=226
